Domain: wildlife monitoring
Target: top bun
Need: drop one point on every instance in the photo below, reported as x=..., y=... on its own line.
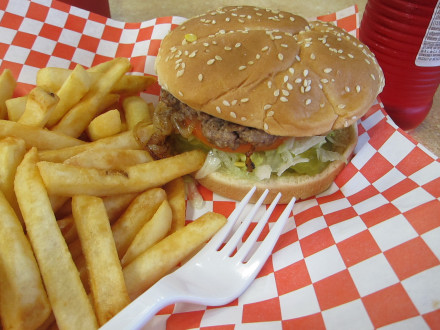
x=271, y=70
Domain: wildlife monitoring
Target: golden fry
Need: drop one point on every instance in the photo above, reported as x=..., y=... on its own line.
x=107, y=124
x=23, y=299
x=137, y=214
x=39, y=106
x=16, y=107
x=124, y=140
x=153, y=231
x=41, y=138
x=12, y=151
x=136, y=110
x=68, y=180
x=110, y=158
x=79, y=117
x=162, y=257
x=105, y=273
x=176, y=196
x=7, y=87
x=70, y=93
x=67, y=296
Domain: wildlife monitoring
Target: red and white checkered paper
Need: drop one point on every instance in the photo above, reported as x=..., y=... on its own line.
x=365, y=254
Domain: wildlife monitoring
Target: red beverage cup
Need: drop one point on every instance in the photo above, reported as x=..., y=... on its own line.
x=100, y=7
x=405, y=37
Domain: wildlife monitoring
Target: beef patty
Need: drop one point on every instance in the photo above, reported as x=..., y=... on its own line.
x=218, y=132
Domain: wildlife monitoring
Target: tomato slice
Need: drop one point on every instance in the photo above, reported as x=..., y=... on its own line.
x=243, y=148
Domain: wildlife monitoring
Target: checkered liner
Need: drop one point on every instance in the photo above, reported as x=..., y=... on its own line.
x=364, y=254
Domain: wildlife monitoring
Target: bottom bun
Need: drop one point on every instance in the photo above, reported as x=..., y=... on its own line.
x=290, y=185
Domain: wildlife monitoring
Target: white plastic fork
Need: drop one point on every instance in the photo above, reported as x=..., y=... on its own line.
x=216, y=275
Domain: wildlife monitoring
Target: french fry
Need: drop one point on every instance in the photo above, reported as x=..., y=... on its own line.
x=105, y=273
x=7, y=86
x=12, y=151
x=70, y=93
x=124, y=140
x=69, y=301
x=41, y=138
x=78, y=118
x=15, y=107
x=107, y=124
x=39, y=106
x=23, y=299
x=176, y=196
x=109, y=158
x=141, y=210
x=153, y=231
x=69, y=180
x=53, y=78
x=136, y=109
x=162, y=257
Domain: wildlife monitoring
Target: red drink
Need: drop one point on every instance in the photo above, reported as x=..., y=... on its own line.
x=100, y=7
x=405, y=37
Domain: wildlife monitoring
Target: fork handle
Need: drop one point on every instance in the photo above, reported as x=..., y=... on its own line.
x=134, y=316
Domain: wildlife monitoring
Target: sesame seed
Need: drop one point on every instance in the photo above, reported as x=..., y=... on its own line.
x=308, y=88
x=306, y=73
x=373, y=77
x=227, y=48
x=205, y=44
x=312, y=56
x=341, y=106
x=180, y=73
x=180, y=93
x=308, y=101
x=258, y=56
x=324, y=81
x=276, y=93
x=328, y=70
x=266, y=126
x=347, y=89
x=298, y=80
x=267, y=107
x=298, y=58
x=264, y=48
x=285, y=92
x=243, y=118
x=358, y=88
x=292, y=19
x=200, y=77
x=211, y=61
x=291, y=70
x=227, y=19
x=218, y=58
x=284, y=45
x=242, y=67
x=269, y=84
x=225, y=102
x=283, y=99
x=244, y=100
x=237, y=45
x=270, y=113
x=289, y=86
x=193, y=53
x=251, y=62
x=218, y=109
x=286, y=79
x=280, y=56
x=234, y=102
x=233, y=114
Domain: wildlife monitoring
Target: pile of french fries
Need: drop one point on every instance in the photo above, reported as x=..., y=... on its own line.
x=88, y=220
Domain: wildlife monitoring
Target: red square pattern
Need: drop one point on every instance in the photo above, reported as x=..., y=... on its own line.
x=145, y=33
x=309, y=214
x=346, y=175
x=380, y=133
x=411, y=258
x=37, y=59
x=433, y=319
x=358, y=248
x=111, y=33
x=376, y=167
x=314, y=321
x=316, y=242
x=363, y=195
x=335, y=290
x=425, y=217
x=64, y=51
x=183, y=321
x=389, y=305
x=292, y=277
x=51, y=32
x=399, y=189
x=75, y=23
x=414, y=161
x=37, y=12
x=379, y=214
x=433, y=187
x=263, y=311
x=224, y=207
x=219, y=327
x=11, y=21
x=88, y=43
x=340, y=216
x=286, y=239
x=25, y=40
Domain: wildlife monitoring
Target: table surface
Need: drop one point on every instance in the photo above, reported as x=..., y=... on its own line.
x=428, y=133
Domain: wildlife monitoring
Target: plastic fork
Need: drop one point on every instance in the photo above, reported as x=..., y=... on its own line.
x=217, y=274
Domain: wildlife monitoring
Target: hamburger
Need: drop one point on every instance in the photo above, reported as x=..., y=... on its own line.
x=272, y=98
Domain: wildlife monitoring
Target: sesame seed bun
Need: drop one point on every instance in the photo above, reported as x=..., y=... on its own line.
x=270, y=70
